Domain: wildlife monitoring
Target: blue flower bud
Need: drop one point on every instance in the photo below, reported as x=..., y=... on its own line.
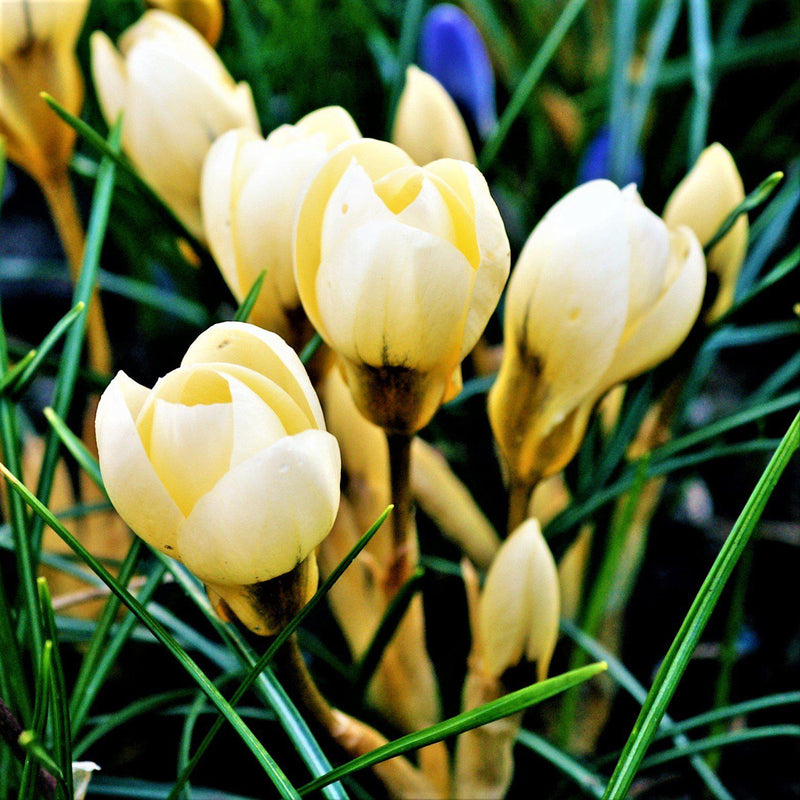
x=452, y=50
x=596, y=161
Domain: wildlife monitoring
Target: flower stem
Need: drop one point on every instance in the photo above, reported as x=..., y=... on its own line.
x=402, y=515
x=519, y=496
x=10, y=729
x=57, y=190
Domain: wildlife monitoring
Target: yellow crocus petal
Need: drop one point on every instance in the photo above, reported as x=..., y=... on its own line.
x=205, y=16
x=428, y=125
x=702, y=201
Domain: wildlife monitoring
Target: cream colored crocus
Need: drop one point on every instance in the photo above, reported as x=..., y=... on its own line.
x=519, y=606
x=603, y=291
x=176, y=97
x=399, y=268
x=37, y=54
x=702, y=200
x=250, y=190
x=226, y=466
x=205, y=16
x=428, y=124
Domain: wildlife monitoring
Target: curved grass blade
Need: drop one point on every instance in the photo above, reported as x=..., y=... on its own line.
x=702, y=56
x=279, y=780
x=86, y=461
x=529, y=81
x=624, y=42
x=310, y=349
x=30, y=738
x=409, y=34
x=489, y=712
x=683, y=646
x=243, y=312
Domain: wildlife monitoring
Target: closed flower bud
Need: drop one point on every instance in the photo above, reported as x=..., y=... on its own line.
x=702, y=201
x=37, y=54
x=399, y=268
x=250, y=191
x=226, y=466
x=205, y=16
x=177, y=98
x=603, y=291
x=519, y=606
x=428, y=124
x=452, y=50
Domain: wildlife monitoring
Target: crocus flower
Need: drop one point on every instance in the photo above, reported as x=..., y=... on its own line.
x=602, y=292
x=452, y=50
x=399, y=268
x=177, y=98
x=250, y=190
x=226, y=466
x=702, y=200
x=37, y=54
x=205, y=16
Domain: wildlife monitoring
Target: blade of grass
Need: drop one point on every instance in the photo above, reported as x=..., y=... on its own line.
x=386, y=630
x=76, y=447
x=701, y=51
x=185, y=744
x=529, y=81
x=667, y=727
x=409, y=34
x=591, y=783
x=310, y=348
x=279, y=780
x=243, y=312
x=13, y=374
x=489, y=712
x=757, y=197
x=783, y=375
x=30, y=772
x=62, y=734
x=279, y=640
x=677, y=658
x=624, y=41
x=109, y=151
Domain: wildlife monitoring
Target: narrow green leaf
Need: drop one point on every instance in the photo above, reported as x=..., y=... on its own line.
x=61, y=724
x=757, y=197
x=39, y=355
x=279, y=780
x=243, y=312
x=386, y=629
x=12, y=376
x=489, y=712
x=310, y=349
x=110, y=152
x=701, y=51
x=409, y=34
x=529, y=81
x=29, y=773
x=278, y=642
x=86, y=461
x=624, y=16
x=677, y=659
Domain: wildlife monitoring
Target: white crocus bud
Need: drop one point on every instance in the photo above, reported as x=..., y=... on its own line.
x=702, y=201
x=519, y=606
x=428, y=124
x=176, y=97
x=226, y=466
x=602, y=292
x=250, y=190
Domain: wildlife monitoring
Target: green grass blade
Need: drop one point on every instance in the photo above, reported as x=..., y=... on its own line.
x=386, y=629
x=280, y=781
x=683, y=646
x=409, y=34
x=62, y=732
x=71, y=356
x=59, y=329
x=667, y=727
x=702, y=55
x=624, y=18
x=278, y=642
x=529, y=81
x=757, y=197
x=591, y=783
x=783, y=375
x=86, y=461
x=243, y=312
x=13, y=374
x=310, y=348
x=185, y=744
x=108, y=151
x=489, y=712
x=30, y=771
x=723, y=740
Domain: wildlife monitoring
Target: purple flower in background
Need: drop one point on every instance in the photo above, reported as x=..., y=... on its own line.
x=596, y=161
x=452, y=50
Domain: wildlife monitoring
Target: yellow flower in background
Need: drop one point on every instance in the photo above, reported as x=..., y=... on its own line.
x=250, y=190
x=428, y=124
x=702, y=201
x=37, y=54
x=205, y=16
x=602, y=292
x=519, y=605
x=226, y=466
x=399, y=268
x=176, y=97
